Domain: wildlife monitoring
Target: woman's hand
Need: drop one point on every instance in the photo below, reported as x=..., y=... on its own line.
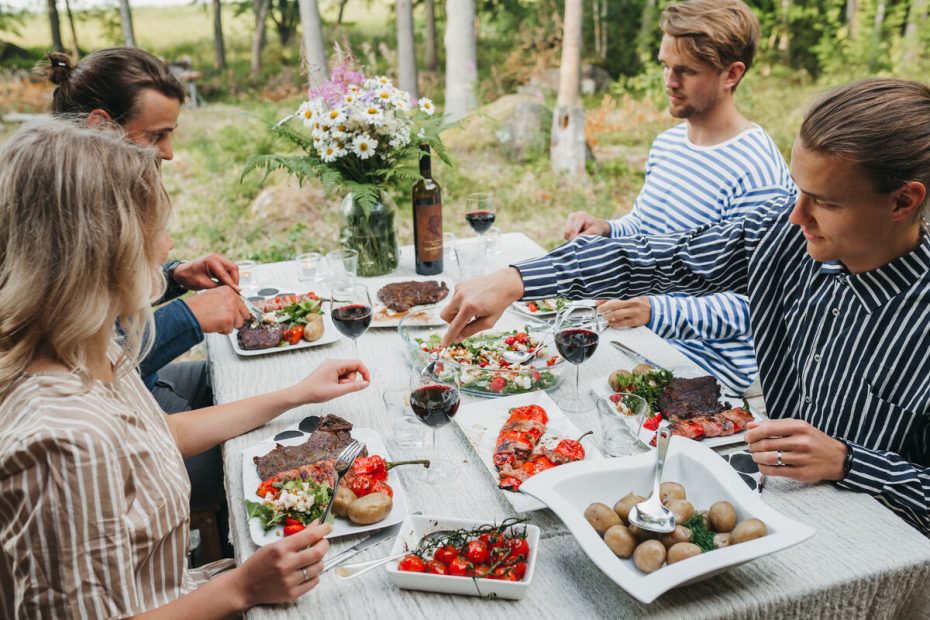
x=479, y=302
x=199, y=274
x=634, y=312
x=284, y=570
x=807, y=454
x=331, y=379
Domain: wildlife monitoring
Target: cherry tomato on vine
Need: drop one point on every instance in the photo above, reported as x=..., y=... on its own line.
x=459, y=567
x=435, y=568
x=476, y=552
x=446, y=554
x=518, y=547
x=412, y=563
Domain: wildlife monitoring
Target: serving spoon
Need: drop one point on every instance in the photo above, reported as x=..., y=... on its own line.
x=651, y=514
x=349, y=571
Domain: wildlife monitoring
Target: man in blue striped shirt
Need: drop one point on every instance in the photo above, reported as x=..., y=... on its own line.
x=838, y=282
x=716, y=166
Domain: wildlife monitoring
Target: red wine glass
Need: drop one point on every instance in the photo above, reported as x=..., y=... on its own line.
x=435, y=398
x=577, y=332
x=350, y=310
x=480, y=212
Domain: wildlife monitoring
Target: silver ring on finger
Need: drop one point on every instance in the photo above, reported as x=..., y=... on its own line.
x=303, y=571
x=778, y=458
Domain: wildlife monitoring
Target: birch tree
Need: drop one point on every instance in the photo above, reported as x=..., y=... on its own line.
x=314, y=48
x=406, y=48
x=55, y=24
x=567, y=151
x=74, y=39
x=431, y=61
x=260, y=9
x=125, y=20
x=461, y=60
x=219, y=45
x=911, y=47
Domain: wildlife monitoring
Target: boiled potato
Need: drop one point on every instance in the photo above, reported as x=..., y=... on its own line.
x=625, y=503
x=313, y=330
x=722, y=517
x=681, y=508
x=749, y=529
x=682, y=551
x=641, y=369
x=601, y=517
x=619, y=379
x=679, y=535
x=620, y=540
x=671, y=490
x=370, y=509
x=722, y=540
x=649, y=556
x=642, y=534
x=344, y=499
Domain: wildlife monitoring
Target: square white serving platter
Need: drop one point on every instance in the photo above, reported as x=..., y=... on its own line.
x=482, y=421
x=330, y=335
x=416, y=527
x=422, y=315
x=341, y=526
x=707, y=478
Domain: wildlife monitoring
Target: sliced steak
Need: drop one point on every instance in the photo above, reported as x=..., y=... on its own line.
x=327, y=441
x=401, y=296
x=684, y=399
x=252, y=335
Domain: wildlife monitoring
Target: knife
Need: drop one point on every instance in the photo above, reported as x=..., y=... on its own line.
x=636, y=356
x=374, y=539
x=255, y=312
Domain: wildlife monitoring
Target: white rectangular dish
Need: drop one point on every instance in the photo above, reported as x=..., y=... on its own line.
x=330, y=335
x=421, y=315
x=341, y=526
x=416, y=527
x=707, y=479
x=482, y=421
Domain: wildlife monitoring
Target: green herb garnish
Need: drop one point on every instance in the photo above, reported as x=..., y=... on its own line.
x=700, y=535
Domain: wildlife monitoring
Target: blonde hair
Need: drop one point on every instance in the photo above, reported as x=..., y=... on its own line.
x=718, y=32
x=81, y=215
x=883, y=125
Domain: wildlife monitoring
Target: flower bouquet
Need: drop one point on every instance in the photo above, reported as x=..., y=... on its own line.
x=362, y=135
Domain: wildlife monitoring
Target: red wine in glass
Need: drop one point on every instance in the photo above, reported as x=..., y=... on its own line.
x=435, y=405
x=352, y=320
x=480, y=221
x=576, y=345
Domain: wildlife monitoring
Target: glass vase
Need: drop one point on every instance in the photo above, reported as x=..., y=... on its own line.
x=372, y=235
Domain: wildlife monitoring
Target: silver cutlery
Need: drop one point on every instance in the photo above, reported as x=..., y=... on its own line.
x=343, y=463
x=635, y=355
x=651, y=514
x=257, y=314
x=354, y=570
x=369, y=541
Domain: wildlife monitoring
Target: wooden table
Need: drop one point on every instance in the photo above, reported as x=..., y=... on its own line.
x=863, y=562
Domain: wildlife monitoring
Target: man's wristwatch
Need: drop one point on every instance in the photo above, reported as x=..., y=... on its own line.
x=848, y=461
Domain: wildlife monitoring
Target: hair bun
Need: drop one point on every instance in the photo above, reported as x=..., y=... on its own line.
x=59, y=68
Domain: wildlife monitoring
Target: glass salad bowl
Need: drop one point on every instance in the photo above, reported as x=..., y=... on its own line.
x=481, y=360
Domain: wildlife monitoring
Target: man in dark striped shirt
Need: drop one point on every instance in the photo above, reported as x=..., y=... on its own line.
x=838, y=283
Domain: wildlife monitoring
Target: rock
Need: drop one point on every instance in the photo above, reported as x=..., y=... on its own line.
x=594, y=79
x=546, y=81
x=525, y=135
x=290, y=202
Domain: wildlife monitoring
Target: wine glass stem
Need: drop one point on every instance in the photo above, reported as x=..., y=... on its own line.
x=575, y=393
x=434, y=461
x=355, y=348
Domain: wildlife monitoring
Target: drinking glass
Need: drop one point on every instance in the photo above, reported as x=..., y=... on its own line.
x=621, y=421
x=492, y=240
x=343, y=264
x=448, y=247
x=471, y=257
x=577, y=329
x=350, y=309
x=480, y=212
x=308, y=266
x=248, y=281
x=407, y=431
x=434, y=398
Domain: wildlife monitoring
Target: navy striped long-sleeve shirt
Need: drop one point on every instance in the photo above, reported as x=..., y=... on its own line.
x=846, y=352
x=688, y=186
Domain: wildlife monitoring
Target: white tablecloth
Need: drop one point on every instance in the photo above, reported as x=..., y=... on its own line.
x=863, y=562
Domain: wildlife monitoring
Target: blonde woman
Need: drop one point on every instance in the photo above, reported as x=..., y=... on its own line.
x=93, y=492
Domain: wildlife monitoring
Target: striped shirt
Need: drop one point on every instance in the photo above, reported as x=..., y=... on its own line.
x=688, y=186
x=845, y=352
x=94, y=511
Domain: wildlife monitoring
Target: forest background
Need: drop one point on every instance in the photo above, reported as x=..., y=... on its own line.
x=248, y=57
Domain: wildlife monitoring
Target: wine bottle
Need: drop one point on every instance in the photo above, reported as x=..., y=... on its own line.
x=427, y=219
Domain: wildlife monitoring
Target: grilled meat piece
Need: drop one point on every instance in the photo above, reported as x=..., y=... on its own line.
x=683, y=399
x=324, y=471
x=722, y=424
x=252, y=335
x=401, y=296
x=327, y=441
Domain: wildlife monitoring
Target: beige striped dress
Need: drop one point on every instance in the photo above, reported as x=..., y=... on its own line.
x=93, y=500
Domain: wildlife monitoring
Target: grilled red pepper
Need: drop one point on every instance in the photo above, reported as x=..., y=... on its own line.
x=536, y=464
x=292, y=526
x=572, y=448
x=294, y=334
x=371, y=466
x=651, y=424
x=267, y=486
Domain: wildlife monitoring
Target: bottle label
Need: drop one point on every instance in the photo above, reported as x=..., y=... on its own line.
x=428, y=220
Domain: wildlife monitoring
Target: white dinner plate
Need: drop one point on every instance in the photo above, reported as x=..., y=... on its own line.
x=523, y=308
x=330, y=335
x=421, y=315
x=707, y=479
x=341, y=526
x=482, y=421
x=601, y=387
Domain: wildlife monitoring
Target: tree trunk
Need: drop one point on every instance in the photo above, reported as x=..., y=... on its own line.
x=461, y=60
x=431, y=62
x=567, y=151
x=596, y=19
x=74, y=39
x=647, y=24
x=314, y=48
x=916, y=18
x=784, y=41
x=342, y=8
x=219, y=46
x=406, y=48
x=125, y=20
x=55, y=25
x=260, y=8
x=605, y=28
x=852, y=18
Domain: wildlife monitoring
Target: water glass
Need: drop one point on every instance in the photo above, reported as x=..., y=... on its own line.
x=406, y=430
x=492, y=240
x=309, y=266
x=620, y=422
x=342, y=264
x=248, y=280
x=448, y=247
x=471, y=257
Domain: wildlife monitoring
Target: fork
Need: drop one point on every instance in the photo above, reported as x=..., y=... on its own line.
x=343, y=463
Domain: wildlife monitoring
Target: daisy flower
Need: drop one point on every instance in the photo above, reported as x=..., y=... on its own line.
x=364, y=146
x=307, y=114
x=374, y=115
x=426, y=105
x=329, y=152
x=383, y=95
x=334, y=117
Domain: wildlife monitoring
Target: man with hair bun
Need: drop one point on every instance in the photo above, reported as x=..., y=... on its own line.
x=838, y=283
x=713, y=167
